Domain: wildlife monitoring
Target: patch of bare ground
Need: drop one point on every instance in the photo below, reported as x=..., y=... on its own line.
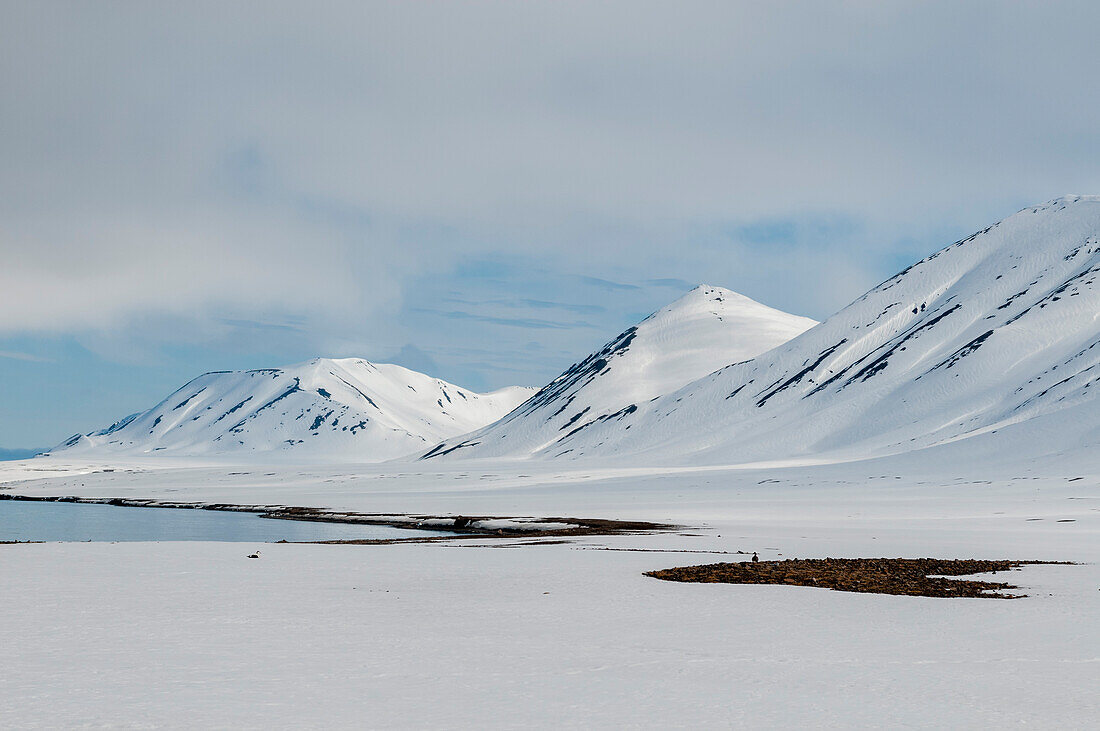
x=899, y=576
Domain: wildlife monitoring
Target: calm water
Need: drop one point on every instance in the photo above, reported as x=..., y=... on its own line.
x=44, y=521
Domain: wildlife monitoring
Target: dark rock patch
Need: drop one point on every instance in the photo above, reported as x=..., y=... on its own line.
x=899, y=576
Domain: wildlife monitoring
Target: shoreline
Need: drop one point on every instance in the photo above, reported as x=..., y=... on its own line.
x=455, y=527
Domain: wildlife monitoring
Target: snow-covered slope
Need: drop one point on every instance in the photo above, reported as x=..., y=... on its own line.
x=706, y=329
x=347, y=408
x=999, y=331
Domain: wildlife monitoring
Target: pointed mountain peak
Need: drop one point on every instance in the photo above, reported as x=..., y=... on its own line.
x=711, y=293
x=709, y=302
x=706, y=291
x=705, y=329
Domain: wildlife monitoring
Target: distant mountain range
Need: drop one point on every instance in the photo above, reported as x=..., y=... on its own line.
x=999, y=331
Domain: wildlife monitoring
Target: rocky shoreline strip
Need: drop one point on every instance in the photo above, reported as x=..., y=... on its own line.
x=450, y=526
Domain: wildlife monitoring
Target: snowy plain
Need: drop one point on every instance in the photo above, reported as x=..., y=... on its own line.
x=488, y=633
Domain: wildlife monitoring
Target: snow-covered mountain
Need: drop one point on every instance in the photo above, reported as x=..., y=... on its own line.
x=706, y=329
x=347, y=408
x=999, y=332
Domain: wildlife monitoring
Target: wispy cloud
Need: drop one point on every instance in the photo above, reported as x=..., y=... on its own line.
x=16, y=355
x=529, y=303
x=606, y=284
x=523, y=322
x=672, y=283
x=258, y=325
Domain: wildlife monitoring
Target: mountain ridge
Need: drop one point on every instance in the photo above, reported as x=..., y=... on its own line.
x=347, y=407
x=704, y=329
x=992, y=330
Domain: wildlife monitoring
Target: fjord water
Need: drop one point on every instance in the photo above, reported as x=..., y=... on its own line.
x=55, y=521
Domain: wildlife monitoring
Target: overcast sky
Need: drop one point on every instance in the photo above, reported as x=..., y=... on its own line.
x=486, y=191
